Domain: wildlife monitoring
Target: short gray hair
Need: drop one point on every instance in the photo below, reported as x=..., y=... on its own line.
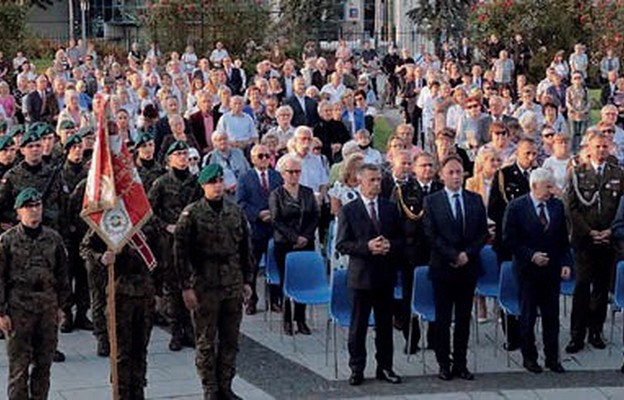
x=285, y=159
x=541, y=175
x=367, y=167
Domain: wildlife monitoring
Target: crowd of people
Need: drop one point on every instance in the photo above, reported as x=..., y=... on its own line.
x=232, y=159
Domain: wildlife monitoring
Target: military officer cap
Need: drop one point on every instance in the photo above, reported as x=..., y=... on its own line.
x=16, y=130
x=144, y=138
x=72, y=141
x=210, y=173
x=86, y=131
x=176, y=146
x=33, y=134
x=67, y=124
x=27, y=196
x=6, y=141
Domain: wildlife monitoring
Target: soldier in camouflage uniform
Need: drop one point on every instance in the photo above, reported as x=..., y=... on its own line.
x=72, y=173
x=168, y=196
x=148, y=168
x=8, y=151
x=17, y=132
x=33, y=172
x=213, y=260
x=34, y=289
x=52, y=150
x=134, y=301
x=592, y=200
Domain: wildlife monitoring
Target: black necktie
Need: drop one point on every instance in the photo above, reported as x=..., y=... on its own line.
x=373, y=215
x=459, y=215
x=426, y=189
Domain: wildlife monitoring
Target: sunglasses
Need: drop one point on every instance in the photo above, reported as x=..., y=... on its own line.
x=473, y=106
x=293, y=171
x=548, y=135
x=194, y=158
x=263, y=156
x=502, y=133
x=608, y=131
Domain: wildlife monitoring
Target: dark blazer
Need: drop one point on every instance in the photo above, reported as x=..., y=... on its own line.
x=36, y=111
x=234, y=81
x=606, y=93
x=447, y=242
x=196, y=121
x=319, y=80
x=293, y=218
x=355, y=229
x=162, y=129
x=309, y=118
x=524, y=234
x=253, y=199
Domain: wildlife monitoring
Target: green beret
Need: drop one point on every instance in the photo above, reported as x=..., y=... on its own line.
x=6, y=141
x=31, y=135
x=17, y=130
x=42, y=128
x=26, y=196
x=210, y=173
x=72, y=141
x=177, y=145
x=144, y=137
x=67, y=124
x=86, y=131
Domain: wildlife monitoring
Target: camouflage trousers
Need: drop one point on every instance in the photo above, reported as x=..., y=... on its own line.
x=219, y=316
x=98, y=279
x=135, y=318
x=31, y=343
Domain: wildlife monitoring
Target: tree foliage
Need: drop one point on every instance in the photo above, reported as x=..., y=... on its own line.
x=13, y=23
x=302, y=20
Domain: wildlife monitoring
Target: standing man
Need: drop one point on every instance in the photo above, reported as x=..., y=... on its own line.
x=456, y=228
x=304, y=107
x=536, y=233
x=252, y=195
x=33, y=291
x=592, y=199
x=509, y=183
x=369, y=232
x=215, y=270
x=168, y=196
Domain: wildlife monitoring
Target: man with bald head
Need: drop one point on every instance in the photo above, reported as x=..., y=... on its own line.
x=252, y=195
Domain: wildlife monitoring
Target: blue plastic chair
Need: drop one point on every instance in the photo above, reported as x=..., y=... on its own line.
x=305, y=280
x=487, y=284
x=422, y=304
x=618, y=296
x=272, y=277
x=509, y=294
x=340, y=309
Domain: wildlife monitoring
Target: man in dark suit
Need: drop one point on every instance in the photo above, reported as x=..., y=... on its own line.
x=252, y=194
x=497, y=109
x=509, y=183
x=369, y=231
x=162, y=127
x=456, y=228
x=409, y=196
x=399, y=174
x=304, y=108
x=535, y=232
x=41, y=106
x=609, y=88
x=234, y=79
x=204, y=122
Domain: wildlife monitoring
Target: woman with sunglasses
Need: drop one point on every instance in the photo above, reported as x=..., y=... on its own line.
x=295, y=215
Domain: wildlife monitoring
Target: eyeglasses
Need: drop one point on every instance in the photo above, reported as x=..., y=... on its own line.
x=293, y=171
x=263, y=156
x=194, y=158
x=473, y=106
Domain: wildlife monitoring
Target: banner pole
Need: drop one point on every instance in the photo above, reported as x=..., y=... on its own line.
x=112, y=330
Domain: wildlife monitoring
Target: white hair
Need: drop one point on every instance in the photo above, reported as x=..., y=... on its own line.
x=541, y=175
x=286, y=159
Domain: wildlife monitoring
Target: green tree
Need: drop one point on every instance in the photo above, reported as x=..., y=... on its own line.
x=13, y=23
x=302, y=20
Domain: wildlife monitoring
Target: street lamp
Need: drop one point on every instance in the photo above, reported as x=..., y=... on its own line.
x=84, y=6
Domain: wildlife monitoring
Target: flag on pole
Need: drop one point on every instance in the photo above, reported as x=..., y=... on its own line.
x=115, y=204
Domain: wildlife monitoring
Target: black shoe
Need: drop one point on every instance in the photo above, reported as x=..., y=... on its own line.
x=58, y=357
x=532, y=366
x=356, y=378
x=597, y=341
x=103, y=348
x=555, y=367
x=511, y=346
x=188, y=340
x=622, y=369
x=228, y=394
x=463, y=373
x=574, y=346
x=388, y=375
x=175, y=344
x=303, y=329
x=83, y=323
x=288, y=328
x=67, y=326
x=445, y=373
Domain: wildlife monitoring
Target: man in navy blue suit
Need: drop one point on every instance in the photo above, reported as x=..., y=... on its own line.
x=370, y=232
x=456, y=229
x=252, y=194
x=536, y=233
